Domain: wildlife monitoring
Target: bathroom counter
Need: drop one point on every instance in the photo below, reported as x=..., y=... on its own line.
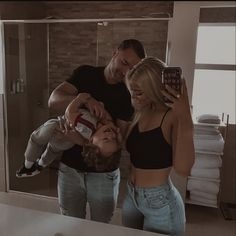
x=16, y=221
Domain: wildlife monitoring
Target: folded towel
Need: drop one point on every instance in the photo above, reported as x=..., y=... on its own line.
x=203, y=186
x=206, y=173
x=207, y=162
x=203, y=200
x=208, y=118
x=207, y=156
x=206, y=130
x=209, y=145
x=200, y=194
x=208, y=136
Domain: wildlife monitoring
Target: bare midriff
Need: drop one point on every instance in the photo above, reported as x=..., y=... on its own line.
x=149, y=177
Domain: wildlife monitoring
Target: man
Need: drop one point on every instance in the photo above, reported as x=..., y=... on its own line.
x=78, y=183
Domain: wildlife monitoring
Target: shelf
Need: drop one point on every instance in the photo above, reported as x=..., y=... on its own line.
x=189, y=201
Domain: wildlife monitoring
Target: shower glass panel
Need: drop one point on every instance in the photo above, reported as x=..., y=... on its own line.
x=26, y=96
x=39, y=56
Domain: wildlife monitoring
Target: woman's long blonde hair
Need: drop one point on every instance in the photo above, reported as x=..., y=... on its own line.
x=147, y=74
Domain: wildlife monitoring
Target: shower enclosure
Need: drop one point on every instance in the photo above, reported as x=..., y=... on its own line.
x=40, y=54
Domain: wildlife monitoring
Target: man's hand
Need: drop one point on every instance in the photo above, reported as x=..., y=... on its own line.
x=96, y=108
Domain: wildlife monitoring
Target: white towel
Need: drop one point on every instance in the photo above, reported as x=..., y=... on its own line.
x=207, y=156
x=207, y=145
x=213, y=173
x=207, y=162
x=203, y=200
x=203, y=186
x=200, y=194
x=216, y=137
x=208, y=118
x=206, y=130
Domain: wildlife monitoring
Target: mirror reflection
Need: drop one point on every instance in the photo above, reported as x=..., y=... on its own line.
x=41, y=56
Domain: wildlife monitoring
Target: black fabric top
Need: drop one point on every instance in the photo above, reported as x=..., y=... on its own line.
x=149, y=149
x=116, y=99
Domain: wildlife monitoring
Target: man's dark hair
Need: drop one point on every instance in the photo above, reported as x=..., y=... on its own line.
x=135, y=45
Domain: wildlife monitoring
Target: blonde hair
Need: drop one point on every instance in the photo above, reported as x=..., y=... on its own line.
x=147, y=74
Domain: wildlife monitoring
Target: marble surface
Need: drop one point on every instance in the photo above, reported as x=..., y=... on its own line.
x=17, y=221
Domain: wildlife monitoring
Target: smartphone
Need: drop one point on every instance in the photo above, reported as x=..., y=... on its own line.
x=172, y=76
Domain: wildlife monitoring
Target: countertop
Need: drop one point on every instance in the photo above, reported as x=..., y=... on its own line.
x=17, y=221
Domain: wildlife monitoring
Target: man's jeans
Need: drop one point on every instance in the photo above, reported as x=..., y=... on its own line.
x=159, y=209
x=76, y=188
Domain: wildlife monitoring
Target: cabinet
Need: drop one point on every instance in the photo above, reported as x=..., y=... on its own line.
x=203, y=185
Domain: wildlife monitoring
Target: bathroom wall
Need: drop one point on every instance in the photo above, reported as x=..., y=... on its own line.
x=16, y=10
x=92, y=43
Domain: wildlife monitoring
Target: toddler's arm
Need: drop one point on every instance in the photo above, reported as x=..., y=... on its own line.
x=72, y=110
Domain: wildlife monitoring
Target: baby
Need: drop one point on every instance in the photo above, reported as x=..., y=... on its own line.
x=103, y=139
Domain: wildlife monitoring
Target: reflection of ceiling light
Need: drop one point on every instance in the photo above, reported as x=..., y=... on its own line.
x=104, y=23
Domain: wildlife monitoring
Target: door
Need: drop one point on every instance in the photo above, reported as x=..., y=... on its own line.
x=26, y=53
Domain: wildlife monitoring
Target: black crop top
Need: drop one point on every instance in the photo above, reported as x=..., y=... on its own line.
x=149, y=149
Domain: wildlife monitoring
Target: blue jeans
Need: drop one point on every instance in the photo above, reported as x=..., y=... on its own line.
x=76, y=188
x=158, y=209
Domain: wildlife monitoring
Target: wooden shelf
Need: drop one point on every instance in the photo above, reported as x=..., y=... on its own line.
x=189, y=201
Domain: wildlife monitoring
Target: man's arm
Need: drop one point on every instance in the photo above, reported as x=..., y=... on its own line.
x=72, y=110
x=61, y=96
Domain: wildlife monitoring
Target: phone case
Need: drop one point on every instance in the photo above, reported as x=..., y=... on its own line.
x=172, y=77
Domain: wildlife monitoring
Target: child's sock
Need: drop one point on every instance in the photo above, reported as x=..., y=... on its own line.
x=28, y=164
x=40, y=162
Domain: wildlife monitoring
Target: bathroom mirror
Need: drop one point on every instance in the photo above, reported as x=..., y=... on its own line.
x=39, y=55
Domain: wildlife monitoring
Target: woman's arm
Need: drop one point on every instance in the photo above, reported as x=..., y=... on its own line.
x=182, y=132
x=183, y=146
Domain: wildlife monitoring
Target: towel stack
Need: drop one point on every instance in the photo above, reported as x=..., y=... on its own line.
x=204, y=181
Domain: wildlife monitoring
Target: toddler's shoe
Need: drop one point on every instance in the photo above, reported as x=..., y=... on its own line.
x=25, y=172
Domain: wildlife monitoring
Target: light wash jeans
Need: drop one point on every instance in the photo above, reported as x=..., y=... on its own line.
x=158, y=209
x=76, y=188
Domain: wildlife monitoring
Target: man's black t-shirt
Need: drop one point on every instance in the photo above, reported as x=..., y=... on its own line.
x=116, y=99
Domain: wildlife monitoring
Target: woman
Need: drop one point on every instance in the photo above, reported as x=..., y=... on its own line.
x=160, y=137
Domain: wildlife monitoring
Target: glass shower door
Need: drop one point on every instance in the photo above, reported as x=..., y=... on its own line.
x=26, y=57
